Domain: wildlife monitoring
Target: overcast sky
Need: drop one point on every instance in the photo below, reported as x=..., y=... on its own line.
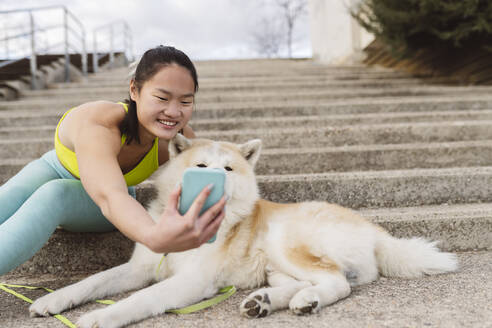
x=204, y=29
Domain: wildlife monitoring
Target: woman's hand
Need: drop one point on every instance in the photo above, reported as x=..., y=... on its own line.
x=175, y=232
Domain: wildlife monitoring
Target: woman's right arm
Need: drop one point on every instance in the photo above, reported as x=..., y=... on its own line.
x=97, y=144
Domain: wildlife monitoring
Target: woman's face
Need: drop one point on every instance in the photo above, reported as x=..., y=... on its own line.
x=164, y=103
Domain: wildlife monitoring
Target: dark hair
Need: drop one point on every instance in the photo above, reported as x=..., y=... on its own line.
x=150, y=63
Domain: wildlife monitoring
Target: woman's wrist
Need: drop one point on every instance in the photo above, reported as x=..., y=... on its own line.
x=147, y=237
x=152, y=240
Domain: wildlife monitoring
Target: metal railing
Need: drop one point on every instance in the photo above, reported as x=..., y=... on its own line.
x=112, y=30
x=79, y=34
x=33, y=30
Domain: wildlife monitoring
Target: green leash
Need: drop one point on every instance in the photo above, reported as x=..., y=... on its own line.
x=224, y=294
x=22, y=297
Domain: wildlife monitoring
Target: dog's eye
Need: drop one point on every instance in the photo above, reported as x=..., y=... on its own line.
x=202, y=165
x=228, y=168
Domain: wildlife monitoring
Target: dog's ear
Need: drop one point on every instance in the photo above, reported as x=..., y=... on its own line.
x=251, y=151
x=178, y=145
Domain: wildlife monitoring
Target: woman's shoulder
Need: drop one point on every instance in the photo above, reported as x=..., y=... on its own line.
x=83, y=119
x=101, y=112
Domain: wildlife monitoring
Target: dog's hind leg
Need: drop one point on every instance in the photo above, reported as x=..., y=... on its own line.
x=113, y=281
x=267, y=300
x=328, y=288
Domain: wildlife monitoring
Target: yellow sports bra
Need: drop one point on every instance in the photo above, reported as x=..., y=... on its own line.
x=139, y=173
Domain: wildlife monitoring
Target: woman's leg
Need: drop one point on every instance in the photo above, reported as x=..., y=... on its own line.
x=16, y=190
x=85, y=216
x=61, y=202
x=30, y=227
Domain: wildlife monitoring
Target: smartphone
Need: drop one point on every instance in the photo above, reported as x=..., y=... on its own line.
x=194, y=180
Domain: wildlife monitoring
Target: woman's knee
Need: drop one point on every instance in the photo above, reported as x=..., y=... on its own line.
x=75, y=210
x=55, y=191
x=61, y=198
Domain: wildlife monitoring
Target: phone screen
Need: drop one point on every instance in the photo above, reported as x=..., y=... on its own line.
x=194, y=180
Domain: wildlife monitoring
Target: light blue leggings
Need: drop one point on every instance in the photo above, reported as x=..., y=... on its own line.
x=38, y=199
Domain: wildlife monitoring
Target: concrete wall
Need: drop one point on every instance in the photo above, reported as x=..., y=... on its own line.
x=335, y=37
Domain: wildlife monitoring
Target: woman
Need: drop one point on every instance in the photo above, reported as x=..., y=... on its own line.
x=102, y=148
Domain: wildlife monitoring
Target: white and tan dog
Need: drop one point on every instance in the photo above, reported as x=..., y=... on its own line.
x=310, y=254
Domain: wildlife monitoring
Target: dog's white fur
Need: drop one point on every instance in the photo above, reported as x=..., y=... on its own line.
x=310, y=254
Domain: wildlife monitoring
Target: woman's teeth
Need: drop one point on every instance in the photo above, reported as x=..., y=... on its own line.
x=168, y=123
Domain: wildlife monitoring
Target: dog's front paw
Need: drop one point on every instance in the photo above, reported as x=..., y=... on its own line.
x=96, y=319
x=53, y=303
x=305, y=302
x=256, y=305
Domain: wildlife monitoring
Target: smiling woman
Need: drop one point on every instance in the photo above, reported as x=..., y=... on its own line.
x=180, y=75
x=102, y=149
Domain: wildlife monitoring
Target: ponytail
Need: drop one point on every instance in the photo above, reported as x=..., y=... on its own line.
x=129, y=125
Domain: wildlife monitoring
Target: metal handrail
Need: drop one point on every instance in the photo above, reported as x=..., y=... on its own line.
x=12, y=11
x=127, y=41
x=34, y=30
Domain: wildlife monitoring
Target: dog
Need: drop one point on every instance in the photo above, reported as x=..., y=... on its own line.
x=305, y=255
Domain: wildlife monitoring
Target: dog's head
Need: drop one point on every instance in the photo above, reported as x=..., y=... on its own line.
x=237, y=160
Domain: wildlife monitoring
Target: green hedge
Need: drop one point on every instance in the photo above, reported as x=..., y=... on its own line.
x=409, y=25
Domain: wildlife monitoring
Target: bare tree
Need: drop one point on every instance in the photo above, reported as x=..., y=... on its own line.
x=268, y=38
x=276, y=28
x=292, y=10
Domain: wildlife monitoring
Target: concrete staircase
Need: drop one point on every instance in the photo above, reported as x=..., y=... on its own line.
x=415, y=158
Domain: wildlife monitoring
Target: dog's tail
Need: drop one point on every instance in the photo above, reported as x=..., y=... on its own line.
x=411, y=258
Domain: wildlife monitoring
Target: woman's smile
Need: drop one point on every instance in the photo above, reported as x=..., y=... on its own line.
x=167, y=124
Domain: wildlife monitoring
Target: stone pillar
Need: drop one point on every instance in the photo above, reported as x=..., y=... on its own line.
x=335, y=36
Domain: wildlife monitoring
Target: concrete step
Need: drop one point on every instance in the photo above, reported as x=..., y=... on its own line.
x=13, y=119
x=396, y=133
x=281, y=95
x=374, y=189
x=265, y=76
x=279, y=64
x=400, y=133
x=431, y=301
x=315, y=121
x=292, y=115
x=313, y=84
x=375, y=157
x=58, y=105
x=341, y=107
x=274, y=83
x=349, y=158
x=221, y=69
x=82, y=86
x=302, y=78
x=459, y=228
x=67, y=253
x=279, y=109
x=10, y=166
x=246, y=73
x=41, y=131
x=44, y=125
